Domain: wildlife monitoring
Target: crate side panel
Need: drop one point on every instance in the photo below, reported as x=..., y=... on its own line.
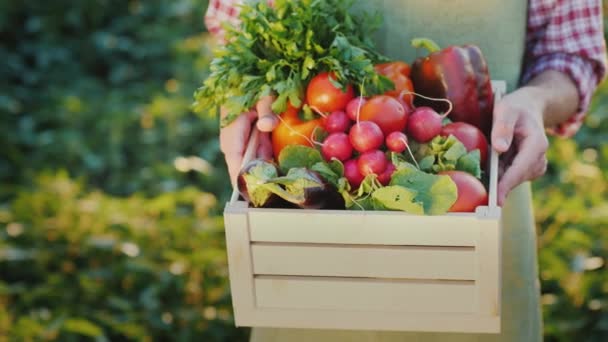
x=489, y=276
x=240, y=264
x=349, y=294
x=350, y=227
x=458, y=263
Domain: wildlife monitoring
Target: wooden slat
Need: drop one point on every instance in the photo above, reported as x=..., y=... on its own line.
x=365, y=261
x=239, y=261
x=353, y=227
x=380, y=321
x=489, y=278
x=364, y=294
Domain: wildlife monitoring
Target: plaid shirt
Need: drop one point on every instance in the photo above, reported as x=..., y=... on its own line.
x=562, y=35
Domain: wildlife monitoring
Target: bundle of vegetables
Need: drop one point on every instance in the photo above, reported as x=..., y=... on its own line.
x=377, y=156
x=350, y=134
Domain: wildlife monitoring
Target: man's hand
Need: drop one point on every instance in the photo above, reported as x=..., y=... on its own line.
x=518, y=130
x=519, y=134
x=234, y=137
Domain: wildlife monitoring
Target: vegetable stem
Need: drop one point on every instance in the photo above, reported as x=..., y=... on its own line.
x=425, y=43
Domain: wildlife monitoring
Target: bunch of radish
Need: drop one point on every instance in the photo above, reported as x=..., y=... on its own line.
x=361, y=132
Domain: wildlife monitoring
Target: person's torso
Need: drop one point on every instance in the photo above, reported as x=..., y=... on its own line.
x=498, y=27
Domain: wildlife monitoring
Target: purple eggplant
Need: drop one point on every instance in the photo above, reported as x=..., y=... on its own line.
x=253, y=183
x=308, y=190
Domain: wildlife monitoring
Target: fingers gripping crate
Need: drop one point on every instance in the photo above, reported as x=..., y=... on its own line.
x=372, y=270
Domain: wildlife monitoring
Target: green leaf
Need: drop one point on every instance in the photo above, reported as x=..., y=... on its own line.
x=332, y=171
x=437, y=193
x=455, y=150
x=426, y=163
x=401, y=161
x=294, y=156
x=470, y=163
x=397, y=198
x=256, y=179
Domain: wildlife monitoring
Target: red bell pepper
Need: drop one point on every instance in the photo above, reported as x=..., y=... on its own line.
x=399, y=73
x=293, y=131
x=459, y=74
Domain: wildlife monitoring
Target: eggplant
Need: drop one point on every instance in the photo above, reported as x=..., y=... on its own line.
x=252, y=184
x=308, y=190
x=260, y=185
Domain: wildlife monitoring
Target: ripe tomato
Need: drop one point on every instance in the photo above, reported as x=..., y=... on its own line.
x=470, y=136
x=322, y=95
x=398, y=72
x=386, y=112
x=471, y=192
x=292, y=130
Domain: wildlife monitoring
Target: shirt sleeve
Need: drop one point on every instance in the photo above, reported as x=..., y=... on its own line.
x=223, y=12
x=567, y=36
x=220, y=13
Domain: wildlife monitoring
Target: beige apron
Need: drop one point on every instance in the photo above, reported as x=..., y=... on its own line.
x=498, y=27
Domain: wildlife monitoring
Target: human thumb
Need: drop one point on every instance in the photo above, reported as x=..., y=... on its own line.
x=503, y=127
x=267, y=120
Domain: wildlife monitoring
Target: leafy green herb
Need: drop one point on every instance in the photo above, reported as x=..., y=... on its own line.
x=278, y=50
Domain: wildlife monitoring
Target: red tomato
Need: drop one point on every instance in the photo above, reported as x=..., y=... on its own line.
x=471, y=192
x=386, y=112
x=470, y=136
x=322, y=95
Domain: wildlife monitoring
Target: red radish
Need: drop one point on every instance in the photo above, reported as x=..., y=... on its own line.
x=337, y=145
x=471, y=192
x=470, y=136
x=365, y=136
x=385, y=177
x=409, y=108
x=424, y=124
x=354, y=106
x=397, y=142
x=351, y=172
x=372, y=162
x=337, y=122
x=322, y=95
x=385, y=111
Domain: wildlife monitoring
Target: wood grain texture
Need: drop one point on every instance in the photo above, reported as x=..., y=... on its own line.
x=347, y=294
x=459, y=263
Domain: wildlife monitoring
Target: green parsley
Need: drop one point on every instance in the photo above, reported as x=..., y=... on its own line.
x=277, y=50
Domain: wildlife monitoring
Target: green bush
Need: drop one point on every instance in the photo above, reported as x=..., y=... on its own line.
x=122, y=244
x=571, y=208
x=79, y=263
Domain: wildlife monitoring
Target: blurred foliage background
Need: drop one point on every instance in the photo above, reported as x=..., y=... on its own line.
x=111, y=190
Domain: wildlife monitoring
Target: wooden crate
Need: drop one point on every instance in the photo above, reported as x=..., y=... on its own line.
x=373, y=270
